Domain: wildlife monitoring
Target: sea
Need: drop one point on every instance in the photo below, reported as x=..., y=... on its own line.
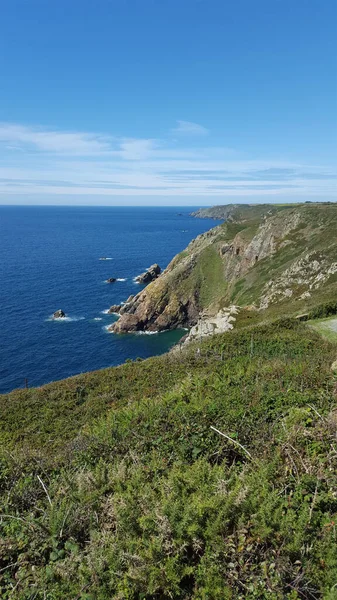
x=50, y=260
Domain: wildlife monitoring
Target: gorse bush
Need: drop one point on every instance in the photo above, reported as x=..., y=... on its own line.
x=324, y=310
x=114, y=485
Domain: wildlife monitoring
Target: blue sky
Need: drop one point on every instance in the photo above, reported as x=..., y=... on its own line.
x=185, y=102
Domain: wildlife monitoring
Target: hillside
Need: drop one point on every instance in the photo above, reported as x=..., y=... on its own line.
x=263, y=259
x=208, y=473
x=238, y=212
x=114, y=485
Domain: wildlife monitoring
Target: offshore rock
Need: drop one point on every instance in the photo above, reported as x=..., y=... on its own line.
x=111, y=280
x=59, y=314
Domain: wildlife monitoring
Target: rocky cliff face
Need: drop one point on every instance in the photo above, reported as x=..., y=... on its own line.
x=262, y=256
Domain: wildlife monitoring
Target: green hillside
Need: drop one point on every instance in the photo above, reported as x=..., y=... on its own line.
x=209, y=473
x=114, y=485
x=278, y=259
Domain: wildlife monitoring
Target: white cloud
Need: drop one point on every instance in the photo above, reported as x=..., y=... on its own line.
x=189, y=128
x=50, y=162
x=137, y=149
x=52, y=140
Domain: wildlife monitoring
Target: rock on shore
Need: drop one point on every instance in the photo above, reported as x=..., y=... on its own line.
x=149, y=275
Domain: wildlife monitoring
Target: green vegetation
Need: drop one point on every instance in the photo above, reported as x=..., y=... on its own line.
x=279, y=258
x=114, y=485
x=209, y=473
x=326, y=327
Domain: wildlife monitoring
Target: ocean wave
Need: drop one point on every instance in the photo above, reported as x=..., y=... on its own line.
x=97, y=318
x=106, y=258
x=65, y=319
x=105, y=311
x=121, y=279
x=148, y=332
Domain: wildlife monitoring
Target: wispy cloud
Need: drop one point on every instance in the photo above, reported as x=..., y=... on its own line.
x=189, y=128
x=39, y=139
x=36, y=161
x=137, y=149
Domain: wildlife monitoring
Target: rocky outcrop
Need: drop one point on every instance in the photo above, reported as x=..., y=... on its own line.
x=111, y=280
x=114, y=309
x=258, y=260
x=59, y=314
x=149, y=275
x=209, y=325
x=309, y=271
x=153, y=312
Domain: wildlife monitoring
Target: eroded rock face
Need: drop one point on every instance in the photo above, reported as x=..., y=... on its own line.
x=59, y=314
x=149, y=275
x=115, y=308
x=127, y=324
x=209, y=325
x=151, y=310
x=265, y=262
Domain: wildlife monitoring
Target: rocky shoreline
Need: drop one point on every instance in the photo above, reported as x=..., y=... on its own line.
x=253, y=260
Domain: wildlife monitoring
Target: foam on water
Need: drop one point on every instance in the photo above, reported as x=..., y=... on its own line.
x=64, y=319
x=149, y=332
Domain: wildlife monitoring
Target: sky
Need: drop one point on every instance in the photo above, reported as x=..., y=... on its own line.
x=167, y=102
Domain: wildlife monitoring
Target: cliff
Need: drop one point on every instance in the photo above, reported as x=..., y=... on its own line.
x=262, y=256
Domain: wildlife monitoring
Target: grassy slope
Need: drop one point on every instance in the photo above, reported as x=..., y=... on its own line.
x=256, y=258
x=315, y=231
x=326, y=327
x=113, y=485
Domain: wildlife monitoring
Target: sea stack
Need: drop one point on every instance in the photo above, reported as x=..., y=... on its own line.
x=59, y=314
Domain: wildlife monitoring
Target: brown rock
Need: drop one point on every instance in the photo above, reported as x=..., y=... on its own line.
x=149, y=275
x=115, y=308
x=126, y=324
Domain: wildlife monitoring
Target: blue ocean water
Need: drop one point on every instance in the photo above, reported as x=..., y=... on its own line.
x=49, y=259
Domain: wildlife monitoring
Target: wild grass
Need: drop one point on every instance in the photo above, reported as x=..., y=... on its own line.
x=114, y=485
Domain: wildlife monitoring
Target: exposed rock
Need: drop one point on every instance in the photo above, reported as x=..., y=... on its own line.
x=149, y=275
x=303, y=317
x=311, y=271
x=127, y=324
x=334, y=366
x=209, y=325
x=59, y=314
x=305, y=295
x=115, y=308
x=154, y=313
x=111, y=280
x=264, y=261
